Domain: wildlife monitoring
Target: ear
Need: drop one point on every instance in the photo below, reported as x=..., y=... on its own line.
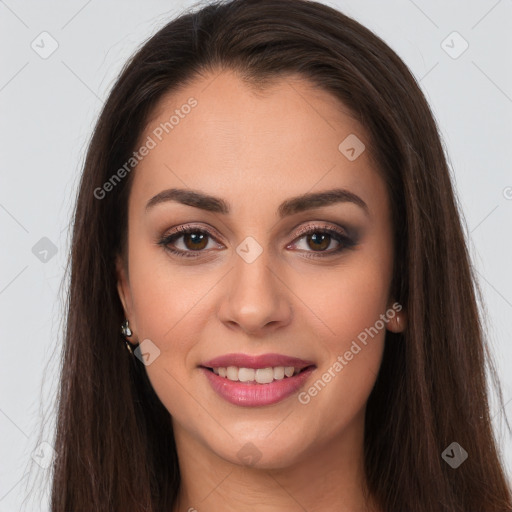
x=397, y=317
x=123, y=289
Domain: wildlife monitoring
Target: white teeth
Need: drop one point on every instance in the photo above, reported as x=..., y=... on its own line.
x=232, y=373
x=288, y=371
x=259, y=375
x=279, y=372
x=264, y=375
x=246, y=374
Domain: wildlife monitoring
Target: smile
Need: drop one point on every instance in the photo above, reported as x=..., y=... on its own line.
x=256, y=380
x=256, y=375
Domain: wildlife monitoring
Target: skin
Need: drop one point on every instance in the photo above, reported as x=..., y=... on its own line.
x=255, y=150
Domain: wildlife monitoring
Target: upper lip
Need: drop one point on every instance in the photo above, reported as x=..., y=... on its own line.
x=261, y=361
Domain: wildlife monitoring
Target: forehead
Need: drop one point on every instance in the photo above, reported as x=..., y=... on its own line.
x=225, y=137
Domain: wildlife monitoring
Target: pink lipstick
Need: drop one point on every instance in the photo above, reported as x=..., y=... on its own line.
x=253, y=381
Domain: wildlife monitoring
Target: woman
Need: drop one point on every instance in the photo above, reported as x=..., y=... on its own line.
x=266, y=212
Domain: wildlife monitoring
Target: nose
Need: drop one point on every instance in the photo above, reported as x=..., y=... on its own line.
x=256, y=300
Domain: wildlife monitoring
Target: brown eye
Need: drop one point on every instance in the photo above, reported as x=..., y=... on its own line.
x=316, y=241
x=188, y=242
x=319, y=241
x=195, y=241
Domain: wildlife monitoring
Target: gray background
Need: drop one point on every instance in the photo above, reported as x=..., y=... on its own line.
x=48, y=108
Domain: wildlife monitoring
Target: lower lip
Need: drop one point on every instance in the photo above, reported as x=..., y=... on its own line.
x=254, y=395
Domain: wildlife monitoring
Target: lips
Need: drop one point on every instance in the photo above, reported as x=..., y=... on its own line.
x=238, y=386
x=261, y=361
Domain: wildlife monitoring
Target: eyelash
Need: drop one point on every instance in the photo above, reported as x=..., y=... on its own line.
x=344, y=241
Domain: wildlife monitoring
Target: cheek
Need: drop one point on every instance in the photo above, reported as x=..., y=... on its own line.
x=165, y=295
x=169, y=306
x=351, y=326
x=351, y=337
x=347, y=298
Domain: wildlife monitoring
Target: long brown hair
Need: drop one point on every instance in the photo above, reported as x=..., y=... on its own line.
x=114, y=437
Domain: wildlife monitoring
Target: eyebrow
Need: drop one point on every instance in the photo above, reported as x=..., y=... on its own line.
x=289, y=207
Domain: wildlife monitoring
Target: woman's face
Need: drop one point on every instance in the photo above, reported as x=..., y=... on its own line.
x=266, y=270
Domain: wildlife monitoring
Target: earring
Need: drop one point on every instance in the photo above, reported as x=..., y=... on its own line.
x=126, y=332
x=125, y=329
